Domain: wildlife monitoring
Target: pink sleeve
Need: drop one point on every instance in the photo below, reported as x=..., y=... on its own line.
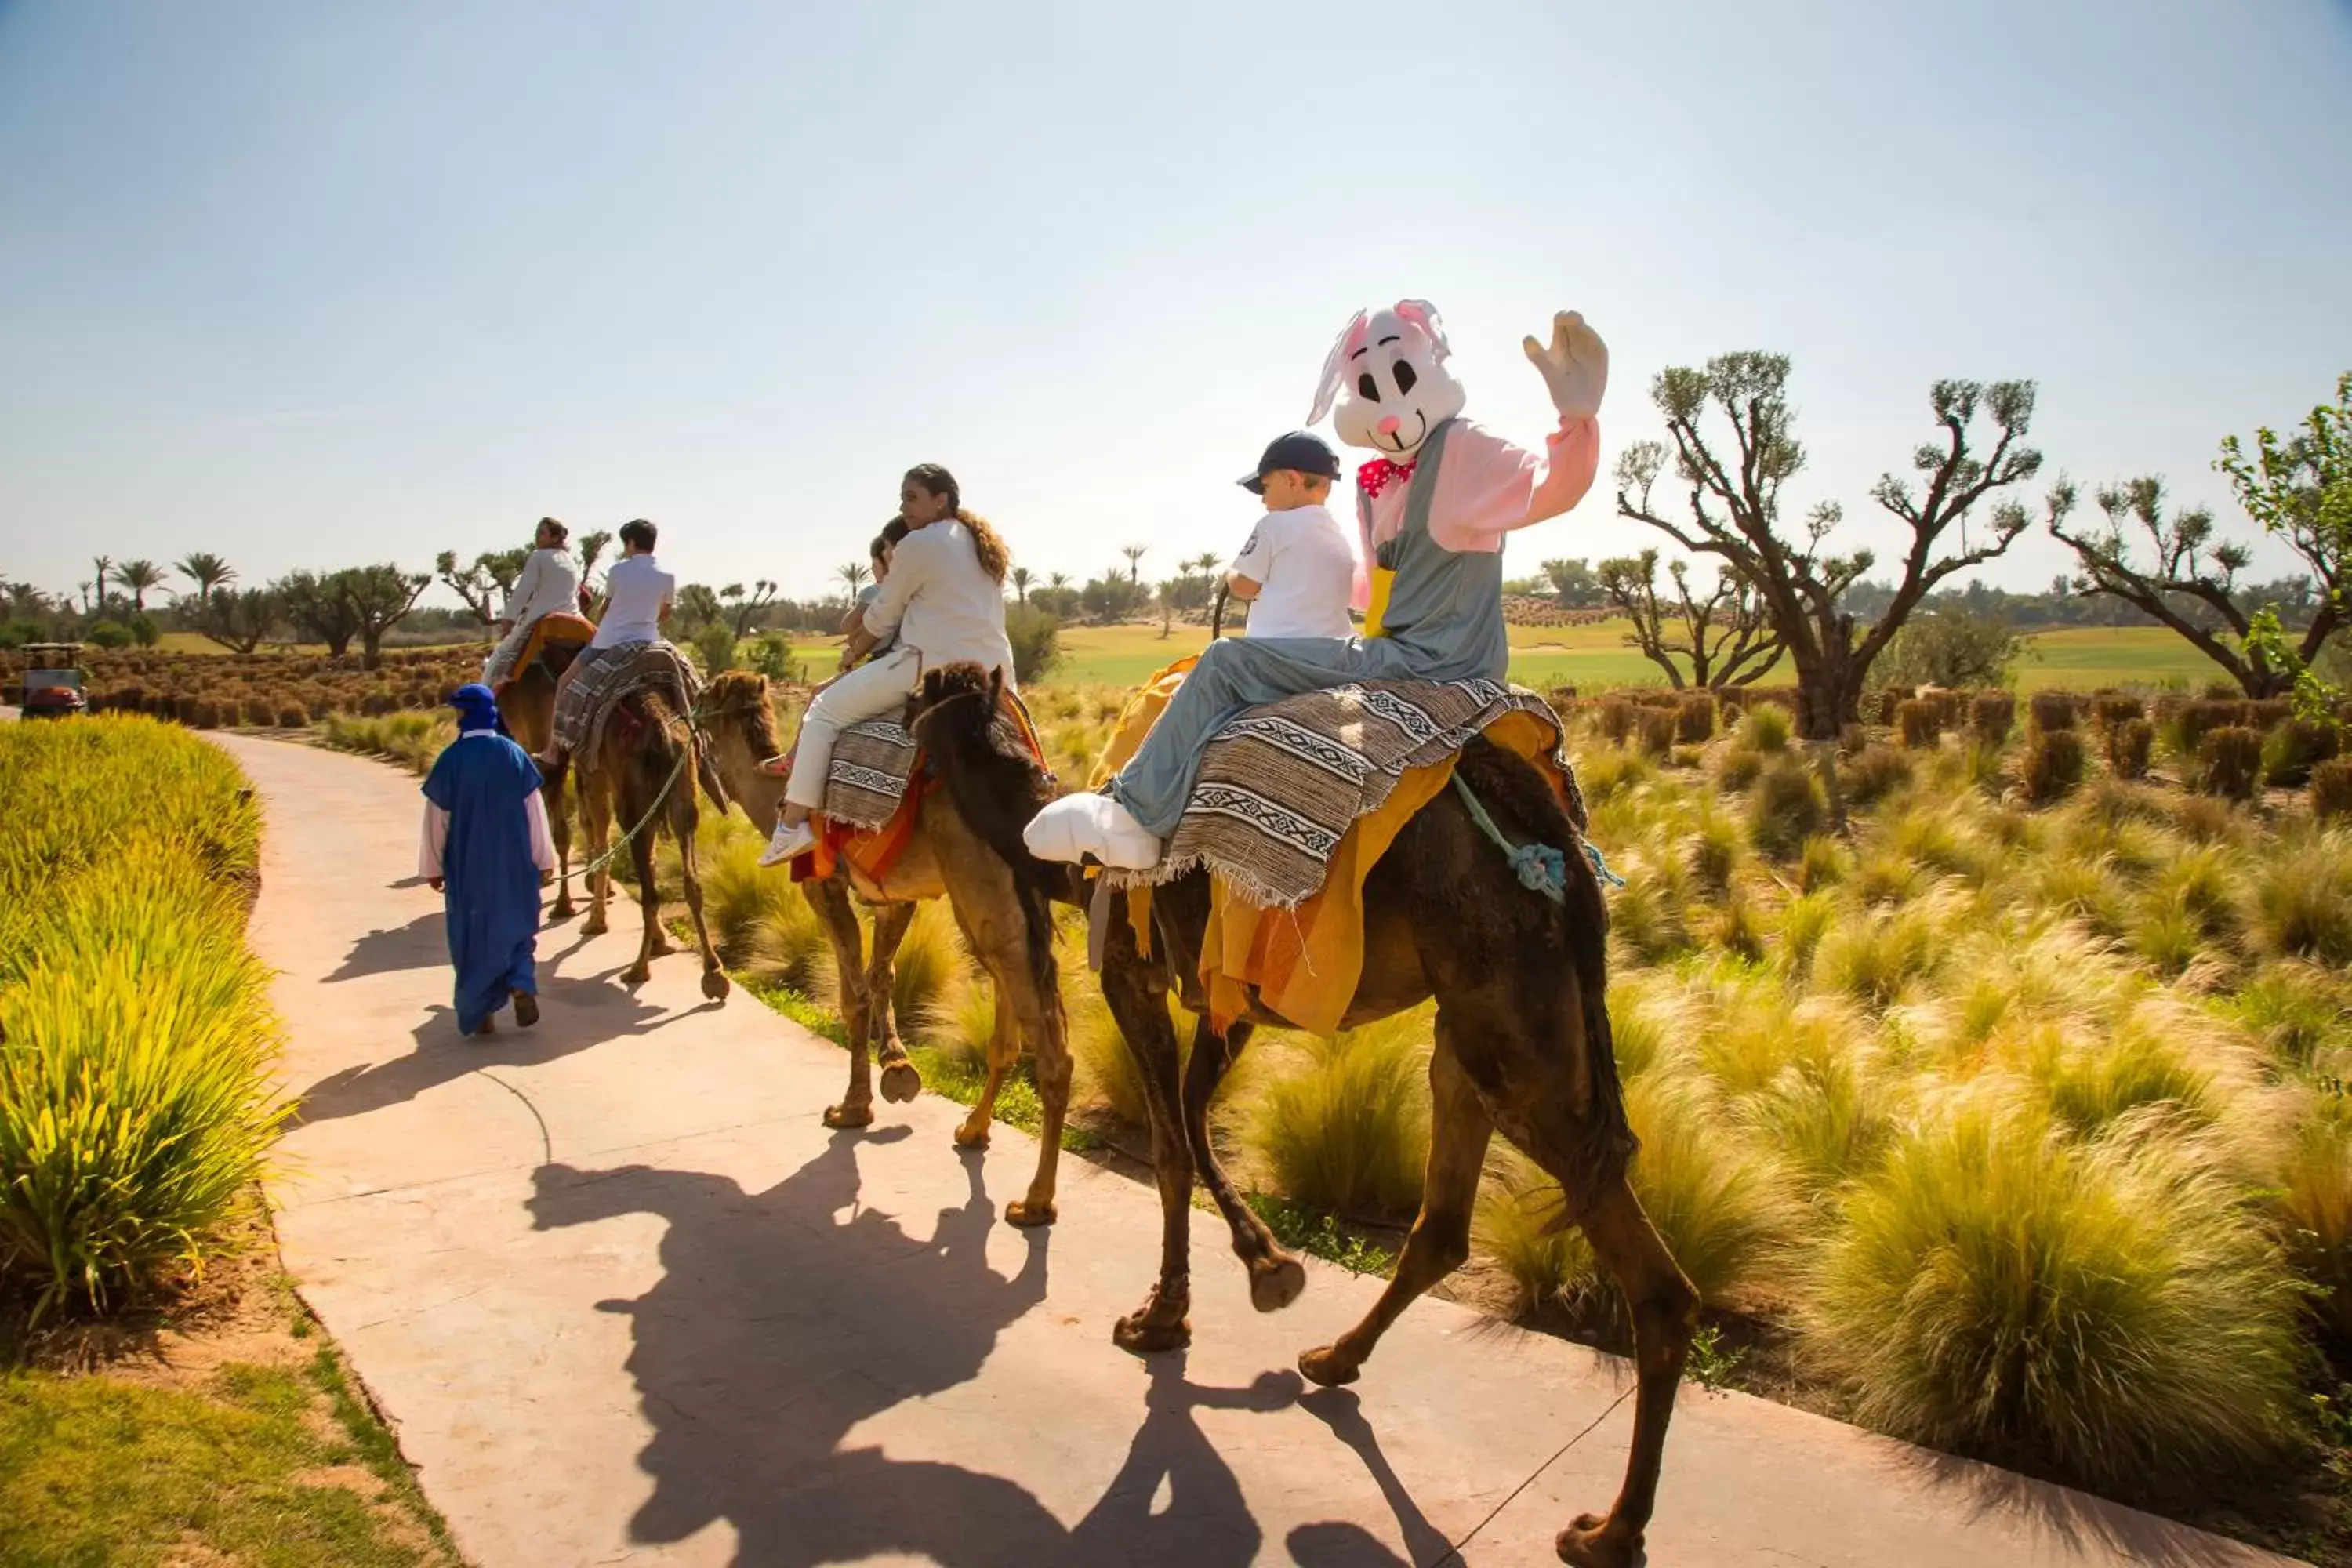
x=1488, y=486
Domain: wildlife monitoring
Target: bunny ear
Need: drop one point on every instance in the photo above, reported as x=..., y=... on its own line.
x=1424, y=314
x=1326, y=391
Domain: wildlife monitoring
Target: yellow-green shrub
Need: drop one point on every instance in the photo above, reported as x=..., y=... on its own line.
x=1348, y=1132
x=2107, y=1310
x=136, y=1046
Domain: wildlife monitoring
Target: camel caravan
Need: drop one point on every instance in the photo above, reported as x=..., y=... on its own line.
x=1312, y=827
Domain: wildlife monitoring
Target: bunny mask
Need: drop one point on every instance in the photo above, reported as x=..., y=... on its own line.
x=1390, y=365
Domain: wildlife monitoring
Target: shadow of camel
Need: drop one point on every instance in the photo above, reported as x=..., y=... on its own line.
x=776, y=1328
x=421, y=944
x=785, y=1318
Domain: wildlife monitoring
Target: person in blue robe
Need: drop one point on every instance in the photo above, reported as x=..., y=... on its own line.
x=485, y=842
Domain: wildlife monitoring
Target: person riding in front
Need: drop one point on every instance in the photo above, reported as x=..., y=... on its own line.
x=637, y=598
x=941, y=602
x=548, y=584
x=1298, y=573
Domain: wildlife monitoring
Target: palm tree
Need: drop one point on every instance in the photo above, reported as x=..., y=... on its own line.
x=1057, y=580
x=853, y=574
x=1134, y=553
x=104, y=575
x=139, y=576
x=207, y=572
x=1020, y=581
x=1207, y=561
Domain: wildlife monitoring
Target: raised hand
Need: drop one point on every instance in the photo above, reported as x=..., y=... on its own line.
x=1575, y=367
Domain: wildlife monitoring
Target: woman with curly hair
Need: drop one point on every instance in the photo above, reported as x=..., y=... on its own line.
x=943, y=603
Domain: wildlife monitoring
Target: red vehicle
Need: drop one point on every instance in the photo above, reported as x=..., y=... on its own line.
x=53, y=684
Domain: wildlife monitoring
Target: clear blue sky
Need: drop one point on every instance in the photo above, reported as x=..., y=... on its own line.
x=308, y=284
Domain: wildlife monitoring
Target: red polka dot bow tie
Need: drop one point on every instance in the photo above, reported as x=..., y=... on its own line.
x=1380, y=473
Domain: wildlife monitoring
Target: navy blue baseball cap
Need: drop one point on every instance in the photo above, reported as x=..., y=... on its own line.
x=1301, y=451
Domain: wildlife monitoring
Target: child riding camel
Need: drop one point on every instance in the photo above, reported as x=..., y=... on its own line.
x=1298, y=573
x=638, y=596
x=1432, y=511
x=942, y=602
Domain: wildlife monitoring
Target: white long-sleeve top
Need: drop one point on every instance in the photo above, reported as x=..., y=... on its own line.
x=548, y=582
x=436, y=836
x=939, y=602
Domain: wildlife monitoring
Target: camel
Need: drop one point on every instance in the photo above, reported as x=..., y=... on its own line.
x=1523, y=1046
x=1003, y=906
x=526, y=702
x=634, y=770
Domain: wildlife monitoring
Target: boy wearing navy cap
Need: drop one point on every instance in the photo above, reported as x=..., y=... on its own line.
x=1298, y=571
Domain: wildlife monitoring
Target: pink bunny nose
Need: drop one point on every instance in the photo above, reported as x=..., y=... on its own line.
x=1389, y=424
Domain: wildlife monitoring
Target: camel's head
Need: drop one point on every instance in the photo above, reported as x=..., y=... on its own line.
x=741, y=720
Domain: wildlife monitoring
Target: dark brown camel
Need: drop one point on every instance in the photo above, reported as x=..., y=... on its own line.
x=1522, y=1045
x=526, y=702
x=1005, y=917
x=634, y=773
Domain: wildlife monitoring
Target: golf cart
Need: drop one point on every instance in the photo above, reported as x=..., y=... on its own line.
x=53, y=680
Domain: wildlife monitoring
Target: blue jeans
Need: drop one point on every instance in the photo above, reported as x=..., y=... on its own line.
x=1233, y=677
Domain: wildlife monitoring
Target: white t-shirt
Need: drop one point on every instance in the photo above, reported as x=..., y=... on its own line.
x=1306, y=570
x=635, y=591
x=549, y=584
x=938, y=601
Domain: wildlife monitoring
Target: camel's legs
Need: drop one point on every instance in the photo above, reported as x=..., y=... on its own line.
x=1459, y=1131
x=1275, y=1277
x=685, y=816
x=1137, y=990
x=830, y=899
x=900, y=1081
x=559, y=828
x=1665, y=1308
x=596, y=818
x=653, y=942
x=1034, y=997
x=1003, y=1055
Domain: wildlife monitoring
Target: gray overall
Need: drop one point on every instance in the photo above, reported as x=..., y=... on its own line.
x=1444, y=621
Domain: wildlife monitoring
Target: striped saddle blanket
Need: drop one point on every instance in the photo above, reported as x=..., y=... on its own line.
x=615, y=672
x=1280, y=786
x=875, y=760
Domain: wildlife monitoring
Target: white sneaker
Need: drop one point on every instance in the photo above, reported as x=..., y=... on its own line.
x=789, y=844
x=1077, y=825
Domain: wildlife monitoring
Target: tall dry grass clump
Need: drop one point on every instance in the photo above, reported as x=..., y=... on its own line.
x=2107, y=1310
x=137, y=1050
x=2052, y=711
x=2292, y=751
x=1992, y=716
x=1785, y=805
x=1920, y=723
x=1348, y=1132
x=2054, y=764
x=1766, y=727
x=2298, y=901
x=2331, y=791
x=2230, y=763
x=2130, y=744
x=1695, y=717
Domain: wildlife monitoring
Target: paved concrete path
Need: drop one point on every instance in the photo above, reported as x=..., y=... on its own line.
x=628, y=1300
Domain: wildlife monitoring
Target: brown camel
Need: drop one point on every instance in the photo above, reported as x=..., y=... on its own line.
x=526, y=702
x=1003, y=907
x=1522, y=1045
x=635, y=774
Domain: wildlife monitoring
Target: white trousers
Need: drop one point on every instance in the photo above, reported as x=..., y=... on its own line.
x=500, y=664
x=869, y=691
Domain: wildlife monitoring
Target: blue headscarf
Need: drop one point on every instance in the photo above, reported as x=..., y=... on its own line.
x=476, y=708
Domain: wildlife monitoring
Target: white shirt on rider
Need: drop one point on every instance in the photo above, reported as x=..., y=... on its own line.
x=636, y=592
x=548, y=584
x=1306, y=573
x=939, y=603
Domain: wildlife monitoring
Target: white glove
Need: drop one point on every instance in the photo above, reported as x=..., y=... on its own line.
x=1575, y=368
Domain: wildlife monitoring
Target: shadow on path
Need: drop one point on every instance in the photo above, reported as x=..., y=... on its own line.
x=784, y=1319
x=419, y=944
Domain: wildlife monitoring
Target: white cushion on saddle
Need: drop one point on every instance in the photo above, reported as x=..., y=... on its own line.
x=1077, y=825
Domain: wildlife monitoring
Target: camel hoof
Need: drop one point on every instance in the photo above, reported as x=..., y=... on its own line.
x=596, y=926
x=715, y=985
x=1278, y=1285
x=1142, y=1336
x=564, y=910
x=1029, y=1216
x=635, y=974
x=966, y=1136
x=661, y=950
x=1588, y=1544
x=901, y=1083
x=842, y=1117
x=1326, y=1368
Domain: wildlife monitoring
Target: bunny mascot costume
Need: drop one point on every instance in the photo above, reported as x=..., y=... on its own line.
x=1434, y=509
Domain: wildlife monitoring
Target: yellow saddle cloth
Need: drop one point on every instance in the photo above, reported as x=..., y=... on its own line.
x=1304, y=964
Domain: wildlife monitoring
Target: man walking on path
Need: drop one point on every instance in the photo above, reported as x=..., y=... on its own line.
x=485, y=842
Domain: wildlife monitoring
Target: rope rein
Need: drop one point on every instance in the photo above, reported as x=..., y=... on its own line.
x=685, y=755
x=1541, y=867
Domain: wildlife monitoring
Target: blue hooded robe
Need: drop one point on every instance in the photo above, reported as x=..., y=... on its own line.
x=490, y=883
